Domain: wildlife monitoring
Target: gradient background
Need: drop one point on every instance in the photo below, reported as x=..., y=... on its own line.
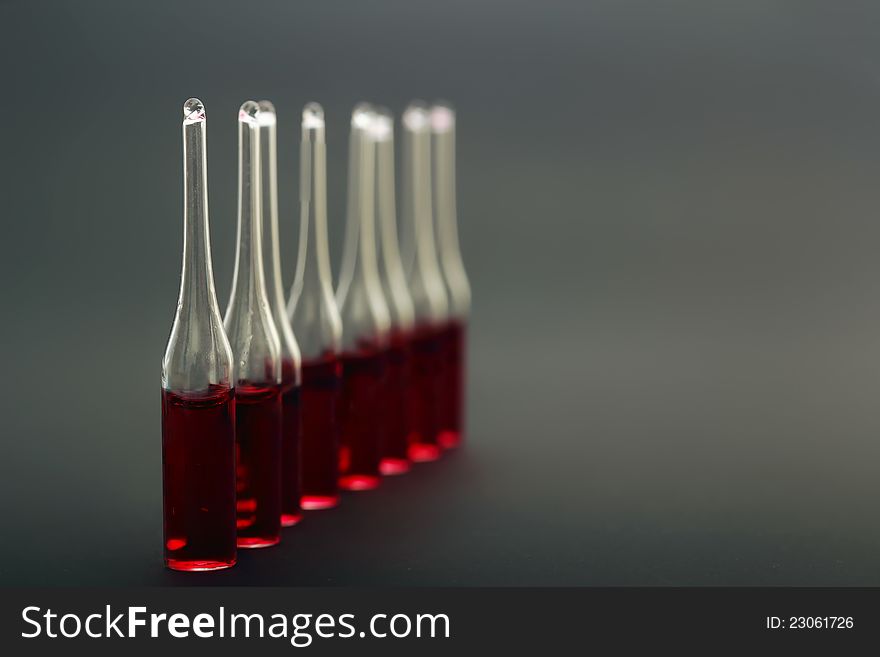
x=670, y=220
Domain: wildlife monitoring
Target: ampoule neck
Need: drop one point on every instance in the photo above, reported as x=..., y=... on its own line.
x=362, y=303
x=313, y=263
x=198, y=355
x=248, y=281
x=391, y=272
x=312, y=307
x=443, y=121
x=197, y=276
x=249, y=324
x=290, y=354
x=427, y=286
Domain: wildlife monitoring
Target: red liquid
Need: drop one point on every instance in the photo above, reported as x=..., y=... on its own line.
x=395, y=448
x=258, y=465
x=360, y=449
x=198, y=470
x=321, y=383
x=426, y=386
x=452, y=409
x=291, y=511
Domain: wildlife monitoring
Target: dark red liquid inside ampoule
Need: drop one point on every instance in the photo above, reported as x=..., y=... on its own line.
x=258, y=465
x=319, y=440
x=452, y=401
x=395, y=447
x=291, y=492
x=426, y=386
x=361, y=418
x=198, y=468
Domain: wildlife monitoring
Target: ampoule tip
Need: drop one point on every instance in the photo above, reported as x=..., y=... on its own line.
x=313, y=116
x=267, y=113
x=249, y=112
x=382, y=127
x=442, y=118
x=193, y=111
x=362, y=116
x=415, y=117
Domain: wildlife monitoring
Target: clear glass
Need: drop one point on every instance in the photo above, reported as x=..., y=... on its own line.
x=198, y=355
x=391, y=273
x=198, y=409
x=395, y=449
x=316, y=323
x=365, y=320
x=426, y=286
x=362, y=306
x=291, y=511
x=256, y=356
x=451, y=262
x=452, y=416
x=312, y=307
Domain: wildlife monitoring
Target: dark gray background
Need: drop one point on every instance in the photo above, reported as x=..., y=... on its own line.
x=670, y=218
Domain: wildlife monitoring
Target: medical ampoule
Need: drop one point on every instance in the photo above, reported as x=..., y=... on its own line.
x=426, y=287
x=395, y=450
x=365, y=319
x=291, y=511
x=198, y=406
x=452, y=266
x=256, y=357
x=315, y=321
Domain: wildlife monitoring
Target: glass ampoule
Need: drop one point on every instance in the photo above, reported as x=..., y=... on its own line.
x=256, y=353
x=315, y=320
x=291, y=510
x=365, y=320
x=395, y=450
x=452, y=265
x=198, y=405
x=426, y=287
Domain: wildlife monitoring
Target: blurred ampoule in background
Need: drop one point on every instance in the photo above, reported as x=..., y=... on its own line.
x=452, y=413
x=291, y=511
x=395, y=449
x=316, y=324
x=256, y=355
x=426, y=286
x=365, y=318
